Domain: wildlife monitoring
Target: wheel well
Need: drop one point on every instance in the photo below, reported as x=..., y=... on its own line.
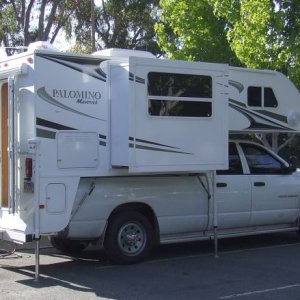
x=143, y=209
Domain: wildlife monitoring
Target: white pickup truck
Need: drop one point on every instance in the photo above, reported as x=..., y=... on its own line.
x=259, y=193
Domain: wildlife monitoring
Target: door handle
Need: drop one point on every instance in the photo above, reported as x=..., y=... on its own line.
x=259, y=183
x=221, y=184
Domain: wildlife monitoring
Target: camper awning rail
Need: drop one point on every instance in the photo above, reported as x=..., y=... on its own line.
x=13, y=71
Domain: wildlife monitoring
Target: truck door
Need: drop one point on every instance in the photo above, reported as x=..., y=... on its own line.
x=4, y=145
x=233, y=193
x=275, y=193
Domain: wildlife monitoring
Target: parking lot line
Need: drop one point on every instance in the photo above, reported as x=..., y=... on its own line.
x=260, y=291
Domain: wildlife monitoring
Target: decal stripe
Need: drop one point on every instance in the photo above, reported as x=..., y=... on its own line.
x=40, y=132
x=237, y=85
x=237, y=103
x=47, y=134
x=87, y=66
x=49, y=124
x=156, y=149
x=152, y=143
x=250, y=115
x=139, y=79
x=270, y=114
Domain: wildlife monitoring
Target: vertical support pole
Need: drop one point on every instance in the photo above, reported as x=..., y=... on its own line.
x=34, y=148
x=37, y=260
x=215, y=214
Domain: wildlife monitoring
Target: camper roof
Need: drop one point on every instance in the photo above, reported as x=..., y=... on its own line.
x=117, y=52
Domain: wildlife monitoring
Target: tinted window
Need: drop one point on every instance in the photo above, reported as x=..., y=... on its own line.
x=179, y=108
x=254, y=96
x=269, y=98
x=260, y=161
x=235, y=165
x=179, y=85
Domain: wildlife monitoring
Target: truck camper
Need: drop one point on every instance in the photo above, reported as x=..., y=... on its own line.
x=129, y=150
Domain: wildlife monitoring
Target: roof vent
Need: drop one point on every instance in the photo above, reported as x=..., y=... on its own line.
x=117, y=52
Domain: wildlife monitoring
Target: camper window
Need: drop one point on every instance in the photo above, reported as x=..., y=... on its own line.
x=179, y=108
x=168, y=93
x=269, y=98
x=255, y=97
x=179, y=85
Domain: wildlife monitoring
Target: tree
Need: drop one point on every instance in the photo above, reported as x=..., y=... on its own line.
x=264, y=33
x=190, y=30
x=23, y=21
x=121, y=24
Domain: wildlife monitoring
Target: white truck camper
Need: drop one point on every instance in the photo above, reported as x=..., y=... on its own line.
x=129, y=150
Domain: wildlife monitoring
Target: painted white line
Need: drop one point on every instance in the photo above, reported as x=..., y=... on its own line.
x=260, y=292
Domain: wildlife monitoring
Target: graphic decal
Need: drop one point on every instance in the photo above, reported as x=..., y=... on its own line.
x=42, y=93
x=153, y=146
x=257, y=118
x=237, y=85
x=138, y=79
x=48, y=127
x=86, y=65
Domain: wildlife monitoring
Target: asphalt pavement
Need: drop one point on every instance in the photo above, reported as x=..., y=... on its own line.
x=260, y=267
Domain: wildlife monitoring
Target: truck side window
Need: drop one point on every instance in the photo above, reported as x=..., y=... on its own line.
x=235, y=165
x=261, y=161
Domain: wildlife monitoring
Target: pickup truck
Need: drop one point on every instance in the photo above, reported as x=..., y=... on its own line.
x=258, y=193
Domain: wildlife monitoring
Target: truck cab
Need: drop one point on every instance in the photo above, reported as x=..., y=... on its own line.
x=258, y=189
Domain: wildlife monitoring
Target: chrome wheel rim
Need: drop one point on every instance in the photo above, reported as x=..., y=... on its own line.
x=132, y=239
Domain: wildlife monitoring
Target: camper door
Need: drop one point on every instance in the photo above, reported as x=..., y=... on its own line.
x=7, y=145
x=177, y=116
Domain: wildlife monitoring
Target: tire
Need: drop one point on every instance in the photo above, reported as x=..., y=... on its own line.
x=129, y=238
x=68, y=246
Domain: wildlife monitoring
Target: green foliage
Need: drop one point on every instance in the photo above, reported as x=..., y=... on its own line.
x=264, y=33
x=120, y=24
x=26, y=21
x=254, y=33
x=190, y=30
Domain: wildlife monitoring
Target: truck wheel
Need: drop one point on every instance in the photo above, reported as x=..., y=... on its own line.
x=129, y=238
x=68, y=246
